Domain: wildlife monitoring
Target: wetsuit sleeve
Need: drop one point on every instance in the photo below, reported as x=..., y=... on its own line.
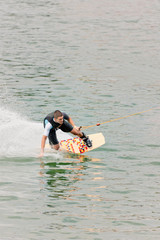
x=47, y=129
x=65, y=115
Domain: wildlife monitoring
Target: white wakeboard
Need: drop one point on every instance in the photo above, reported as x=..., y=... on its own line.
x=76, y=144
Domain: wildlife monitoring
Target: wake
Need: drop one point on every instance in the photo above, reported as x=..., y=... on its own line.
x=18, y=136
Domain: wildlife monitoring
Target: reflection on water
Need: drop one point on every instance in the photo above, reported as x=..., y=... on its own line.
x=58, y=177
x=68, y=194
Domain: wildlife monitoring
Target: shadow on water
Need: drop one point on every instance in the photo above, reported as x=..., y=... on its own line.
x=58, y=177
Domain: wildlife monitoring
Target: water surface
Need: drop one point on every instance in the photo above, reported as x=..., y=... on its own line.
x=96, y=60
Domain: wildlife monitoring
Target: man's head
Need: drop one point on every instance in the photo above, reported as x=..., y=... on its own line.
x=58, y=117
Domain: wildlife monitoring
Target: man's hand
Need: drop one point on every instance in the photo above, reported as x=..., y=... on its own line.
x=77, y=128
x=42, y=145
x=41, y=155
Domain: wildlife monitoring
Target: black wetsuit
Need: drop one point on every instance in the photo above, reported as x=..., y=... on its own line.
x=51, y=126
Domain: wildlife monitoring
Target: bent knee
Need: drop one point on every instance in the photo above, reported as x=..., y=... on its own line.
x=56, y=147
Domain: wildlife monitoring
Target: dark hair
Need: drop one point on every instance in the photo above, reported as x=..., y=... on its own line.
x=57, y=114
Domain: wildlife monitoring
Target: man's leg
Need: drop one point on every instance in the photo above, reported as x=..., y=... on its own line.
x=53, y=141
x=67, y=127
x=80, y=134
x=77, y=132
x=56, y=147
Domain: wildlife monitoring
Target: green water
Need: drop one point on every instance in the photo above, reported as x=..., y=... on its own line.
x=95, y=60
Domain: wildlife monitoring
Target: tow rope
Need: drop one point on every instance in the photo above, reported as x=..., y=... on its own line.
x=116, y=119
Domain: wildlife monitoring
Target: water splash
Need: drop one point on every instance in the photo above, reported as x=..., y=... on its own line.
x=21, y=137
x=18, y=136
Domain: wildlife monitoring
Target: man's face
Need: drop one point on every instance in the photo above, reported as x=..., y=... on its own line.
x=59, y=120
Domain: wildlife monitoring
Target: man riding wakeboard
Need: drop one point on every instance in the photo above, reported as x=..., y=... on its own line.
x=60, y=120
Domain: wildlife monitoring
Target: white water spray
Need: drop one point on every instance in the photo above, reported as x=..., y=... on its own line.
x=20, y=137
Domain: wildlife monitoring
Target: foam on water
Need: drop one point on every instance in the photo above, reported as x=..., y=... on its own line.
x=19, y=136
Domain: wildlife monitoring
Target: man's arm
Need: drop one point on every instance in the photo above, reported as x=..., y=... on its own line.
x=72, y=123
x=44, y=137
x=43, y=141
